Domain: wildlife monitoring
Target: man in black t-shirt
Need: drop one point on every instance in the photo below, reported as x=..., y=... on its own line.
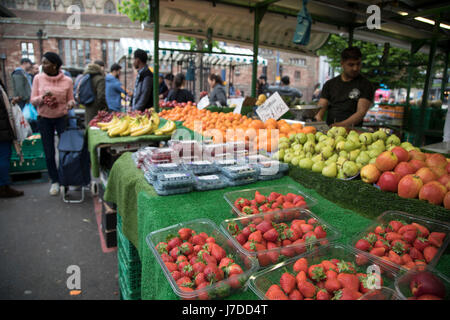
x=347, y=97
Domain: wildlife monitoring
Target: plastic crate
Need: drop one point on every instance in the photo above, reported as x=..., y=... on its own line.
x=210, y=182
x=174, y=180
x=125, y=246
x=413, y=118
x=131, y=279
x=32, y=162
x=126, y=293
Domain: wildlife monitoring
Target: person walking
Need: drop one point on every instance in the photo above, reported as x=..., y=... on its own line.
x=97, y=78
x=218, y=96
x=7, y=136
x=113, y=89
x=178, y=93
x=52, y=95
x=143, y=87
x=21, y=81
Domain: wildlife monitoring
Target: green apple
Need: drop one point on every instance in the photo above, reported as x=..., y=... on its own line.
x=295, y=161
x=365, y=138
x=309, y=146
x=350, y=169
x=327, y=152
x=393, y=139
x=301, y=137
x=318, y=166
x=306, y=163
x=330, y=170
x=311, y=137
x=354, y=154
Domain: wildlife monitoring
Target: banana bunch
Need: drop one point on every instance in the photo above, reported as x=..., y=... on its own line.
x=167, y=129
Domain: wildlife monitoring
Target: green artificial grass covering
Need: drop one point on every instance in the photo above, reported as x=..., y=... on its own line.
x=143, y=211
x=98, y=137
x=365, y=198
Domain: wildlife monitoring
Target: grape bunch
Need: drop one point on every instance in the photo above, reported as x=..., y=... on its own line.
x=50, y=101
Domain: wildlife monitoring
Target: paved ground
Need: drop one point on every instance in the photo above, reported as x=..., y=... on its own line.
x=40, y=237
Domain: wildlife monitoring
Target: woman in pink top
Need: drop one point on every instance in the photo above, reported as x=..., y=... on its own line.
x=52, y=94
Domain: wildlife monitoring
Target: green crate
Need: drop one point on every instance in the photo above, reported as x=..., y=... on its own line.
x=31, y=163
x=126, y=246
x=409, y=137
x=131, y=265
x=126, y=293
x=413, y=118
x=132, y=280
x=438, y=119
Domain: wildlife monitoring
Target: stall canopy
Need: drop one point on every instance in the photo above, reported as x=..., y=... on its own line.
x=233, y=56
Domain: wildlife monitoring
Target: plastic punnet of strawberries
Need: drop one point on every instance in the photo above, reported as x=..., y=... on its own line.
x=402, y=243
x=274, y=202
x=332, y=279
x=196, y=261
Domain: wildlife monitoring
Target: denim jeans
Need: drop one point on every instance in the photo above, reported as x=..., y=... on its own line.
x=5, y=156
x=47, y=127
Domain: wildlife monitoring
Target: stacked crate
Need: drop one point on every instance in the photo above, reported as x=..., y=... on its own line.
x=109, y=214
x=33, y=155
x=129, y=266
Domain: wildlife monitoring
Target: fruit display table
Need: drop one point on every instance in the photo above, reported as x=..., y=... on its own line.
x=142, y=212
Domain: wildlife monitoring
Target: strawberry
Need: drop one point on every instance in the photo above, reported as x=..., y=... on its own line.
x=264, y=259
x=363, y=244
x=198, y=240
x=287, y=282
x=332, y=285
x=181, y=259
x=382, y=244
x=187, y=270
x=371, y=237
x=295, y=295
x=233, y=228
x=345, y=294
x=391, y=236
x=204, y=235
x=378, y=251
x=422, y=231
x=272, y=254
x=247, y=210
x=406, y=258
x=187, y=248
x=394, y=225
x=320, y=233
x=213, y=273
x=175, y=252
x=275, y=293
x=290, y=197
x=410, y=235
x=205, y=256
x=185, y=282
x=331, y=274
x=394, y=257
x=309, y=237
x=379, y=230
x=264, y=226
x=236, y=281
x=176, y=275
x=316, y=272
x=323, y=295
x=328, y=265
x=297, y=199
x=200, y=278
x=249, y=229
x=203, y=295
x=301, y=276
x=421, y=243
x=184, y=233
x=361, y=260
x=299, y=246
x=225, y=262
x=174, y=242
x=345, y=267
x=162, y=248
x=301, y=265
x=409, y=265
x=210, y=240
x=307, y=289
x=271, y=235
x=289, y=251
x=273, y=196
x=166, y=258
x=171, y=266
x=429, y=253
x=233, y=269
x=415, y=254
x=198, y=267
x=408, y=227
x=439, y=235
x=255, y=236
x=306, y=227
x=436, y=238
x=259, y=198
x=348, y=280
x=289, y=234
x=217, y=252
x=241, y=238
x=399, y=247
x=288, y=205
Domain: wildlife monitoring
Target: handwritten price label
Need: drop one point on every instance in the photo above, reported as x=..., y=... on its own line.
x=274, y=107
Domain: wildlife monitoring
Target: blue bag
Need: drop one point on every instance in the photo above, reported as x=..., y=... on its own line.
x=29, y=112
x=84, y=93
x=303, y=29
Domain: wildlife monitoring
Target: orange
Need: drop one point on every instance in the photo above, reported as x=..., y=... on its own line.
x=309, y=129
x=257, y=124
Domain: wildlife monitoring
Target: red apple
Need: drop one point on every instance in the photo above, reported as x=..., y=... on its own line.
x=409, y=186
x=433, y=192
x=426, y=175
x=447, y=167
x=438, y=171
x=388, y=181
x=370, y=173
x=404, y=168
x=436, y=160
x=386, y=161
x=417, y=164
x=447, y=200
x=426, y=283
x=444, y=179
x=417, y=155
x=401, y=154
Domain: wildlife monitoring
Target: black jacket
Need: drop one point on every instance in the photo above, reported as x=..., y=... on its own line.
x=6, y=133
x=143, y=92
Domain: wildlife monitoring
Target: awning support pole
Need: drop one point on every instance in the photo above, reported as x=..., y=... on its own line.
x=420, y=130
x=154, y=7
x=415, y=46
x=258, y=15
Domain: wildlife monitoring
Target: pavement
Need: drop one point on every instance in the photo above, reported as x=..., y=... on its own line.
x=40, y=237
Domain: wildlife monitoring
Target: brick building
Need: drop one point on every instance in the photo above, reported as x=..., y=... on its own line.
x=51, y=25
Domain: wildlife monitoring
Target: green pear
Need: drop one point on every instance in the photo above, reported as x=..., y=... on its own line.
x=318, y=166
x=309, y=146
x=311, y=137
x=350, y=169
x=332, y=132
x=295, y=161
x=322, y=137
x=299, y=152
x=363, y=158
x=353, y=133
x=297, y=147
x=319, y=146
x=372, y=161
x=340, y=161
x=292, y=137
x=393, y=139
x=318, y=135
x=343, y=154
x=389, y=147
x=379, y=144
x=327, y=152
x=350, y=145
x=301, y=137
x=412, y=148
x=288, y=157
x=317, y=158
x=340, y=174
x=415, y=148
x=331, y=159
x=306, y=163
x=283, y=140
x=365, y=138
x=354, y=154
x=283, y=145
x=373, y=153
x=405, y=145
x=330, y=142
x=340, y=131
x=359, y=165
x=379, y=135
x=330, y=170
x=363, y=147
x=340, y=145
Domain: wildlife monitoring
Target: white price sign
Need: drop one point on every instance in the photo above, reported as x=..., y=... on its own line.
x=203, y=103
x=274, y=107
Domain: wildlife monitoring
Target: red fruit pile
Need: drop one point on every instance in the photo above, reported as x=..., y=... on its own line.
x=412, y=174
x=403, y=244
x=332, y=279
x=272, y=240
x=274, y=202
x=174, y=104
x=50, y=101
x=195, y=261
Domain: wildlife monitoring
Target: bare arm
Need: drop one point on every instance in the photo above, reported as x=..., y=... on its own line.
x=362, y=108
x=323, y=104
